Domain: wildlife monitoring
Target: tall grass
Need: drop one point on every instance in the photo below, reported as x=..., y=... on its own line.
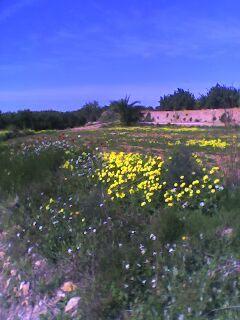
x=130, y=262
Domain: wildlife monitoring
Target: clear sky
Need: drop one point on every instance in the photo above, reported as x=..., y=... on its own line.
x=61, y=53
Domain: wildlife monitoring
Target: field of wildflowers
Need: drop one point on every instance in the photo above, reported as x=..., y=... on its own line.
x=145, y=226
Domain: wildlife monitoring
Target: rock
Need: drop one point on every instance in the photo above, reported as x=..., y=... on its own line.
x=2, y=254
x=40, y=263
x=6, y=265
x=227, y=232
x=72, y=304
x=7, y=283
x=39, y=310
x=60, y=296
x=30, y=250
x=13, y=272
x=25, y=303
x=68, y=286
x=24, y=287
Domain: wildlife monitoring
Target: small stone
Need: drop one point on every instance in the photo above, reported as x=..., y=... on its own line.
x=227, y=232
x=72, y=304
x=7, y=283
x=68, y=286
x=24, y=287
x=60, y=296
x=25, y=303
x=38, y=310
x=13, y=272
x=16, y=292
x=6, y=265
x=39, y=263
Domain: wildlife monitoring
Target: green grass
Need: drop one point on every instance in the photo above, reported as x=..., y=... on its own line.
x=155, y=139
x=130, y=262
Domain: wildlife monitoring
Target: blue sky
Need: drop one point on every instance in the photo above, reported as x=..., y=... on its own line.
x=59, y=54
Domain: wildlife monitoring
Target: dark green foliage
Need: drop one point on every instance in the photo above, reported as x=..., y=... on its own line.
x=179, y=100
x=15, y=133
x=220, y=96
x=109, y=116
x=27, y=170
x=182, y=164
x=91, y=111
x=42, y=120
x=129, y=112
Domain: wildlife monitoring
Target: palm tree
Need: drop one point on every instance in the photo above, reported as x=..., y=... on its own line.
x=129, y=112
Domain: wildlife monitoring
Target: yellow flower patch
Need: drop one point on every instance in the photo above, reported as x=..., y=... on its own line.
x=134, y=174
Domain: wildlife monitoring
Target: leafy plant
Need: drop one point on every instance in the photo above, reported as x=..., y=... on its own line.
x=129, y=112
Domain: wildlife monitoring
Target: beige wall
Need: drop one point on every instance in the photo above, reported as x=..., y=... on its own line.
x=207, y=117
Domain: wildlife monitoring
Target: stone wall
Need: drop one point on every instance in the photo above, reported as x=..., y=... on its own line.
x=206, y=117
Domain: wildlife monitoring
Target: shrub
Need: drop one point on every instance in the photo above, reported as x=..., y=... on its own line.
x=182, y=164
x=129, y=112
x=226, y=118
x=179, y=100
x=220, y=96
x=148, y=117
x=109, y=116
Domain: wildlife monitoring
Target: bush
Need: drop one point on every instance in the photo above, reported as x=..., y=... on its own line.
x=179, y=100
x=226, y=118
x=182, y=164
x=50, y=120
x=148, y=117
x=109, y=116
x=129, y=112
x=220, y=96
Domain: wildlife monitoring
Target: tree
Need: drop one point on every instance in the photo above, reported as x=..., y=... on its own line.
x=220, y=96
x=109, y=116
x=129, y=112
x=179, y=100
x=91, y=111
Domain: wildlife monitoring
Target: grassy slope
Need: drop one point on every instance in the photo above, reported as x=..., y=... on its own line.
x=196, y=266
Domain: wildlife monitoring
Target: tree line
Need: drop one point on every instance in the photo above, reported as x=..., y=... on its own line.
x=122, y=110
x=217, y=97
x=48, y=120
